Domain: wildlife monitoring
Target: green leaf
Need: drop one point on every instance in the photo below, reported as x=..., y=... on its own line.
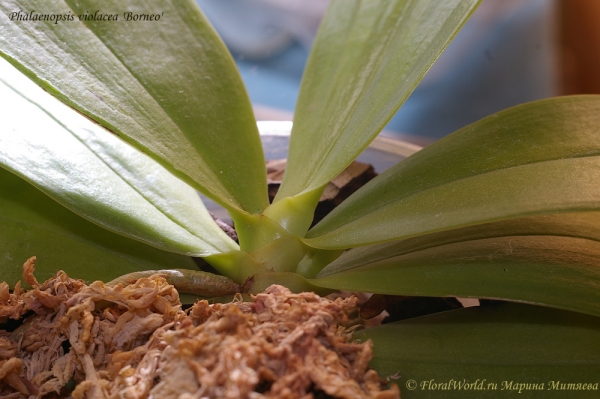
x=495, y=348
x=561, y=272
x=540, y=157
x=575, y=224
x=96, y=175
x=167, y=86
x=367, y=58
x=31, y=224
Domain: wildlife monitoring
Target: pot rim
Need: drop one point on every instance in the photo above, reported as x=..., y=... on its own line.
x=381, y=143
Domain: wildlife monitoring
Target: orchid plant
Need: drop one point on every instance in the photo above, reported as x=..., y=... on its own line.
x=110, y=127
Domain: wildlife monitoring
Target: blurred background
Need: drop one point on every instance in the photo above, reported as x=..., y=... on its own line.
x=509, y=52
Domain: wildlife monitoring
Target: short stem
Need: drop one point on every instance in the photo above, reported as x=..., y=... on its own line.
x=295, y=214
x=293, y=281
x=281, y=255
x=237, y=265
x=256, y=231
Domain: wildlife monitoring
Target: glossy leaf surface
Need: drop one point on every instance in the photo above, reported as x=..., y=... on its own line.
x=540, y=157
x=31, y=224
x=505, y=345
x=98, y=176
x=367, y=58
x=562, y=272
x=167, y=86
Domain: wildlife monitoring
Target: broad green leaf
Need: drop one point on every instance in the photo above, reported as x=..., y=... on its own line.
x=536, y=158
x=496, y=348
x=32, y=224
x=367, y=58
x=561, y=272
x=167, y=86
x=98, y=176
x=574, y=224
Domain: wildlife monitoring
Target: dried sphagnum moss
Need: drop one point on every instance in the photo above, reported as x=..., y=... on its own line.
x=136, y=342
